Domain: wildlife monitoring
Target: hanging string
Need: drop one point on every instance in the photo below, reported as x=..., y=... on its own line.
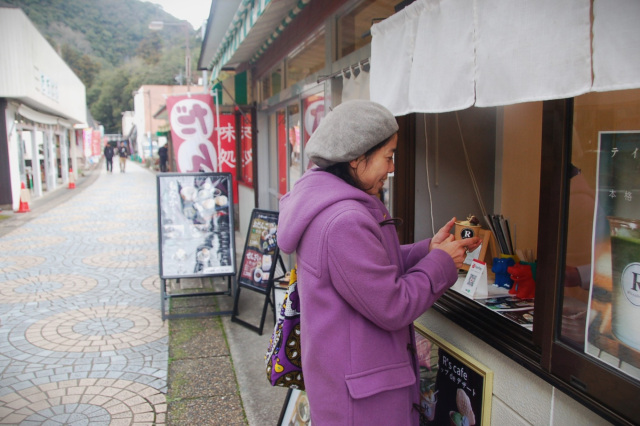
x=426, y=138
x=473, y=178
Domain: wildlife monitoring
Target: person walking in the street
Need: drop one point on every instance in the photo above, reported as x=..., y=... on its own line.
x=123, y=152
x=163, y=153
x=108, y=155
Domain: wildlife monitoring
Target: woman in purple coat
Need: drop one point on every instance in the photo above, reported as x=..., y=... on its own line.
x=360, y=290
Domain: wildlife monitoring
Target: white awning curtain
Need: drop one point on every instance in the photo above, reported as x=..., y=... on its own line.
x=446, y=55
x=616, y=45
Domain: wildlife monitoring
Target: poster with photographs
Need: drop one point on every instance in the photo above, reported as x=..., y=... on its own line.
x=455, y=389
x=613, y=319
x=260, y=253
x=195, y=225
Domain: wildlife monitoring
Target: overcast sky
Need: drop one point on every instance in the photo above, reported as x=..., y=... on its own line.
x=194, y=11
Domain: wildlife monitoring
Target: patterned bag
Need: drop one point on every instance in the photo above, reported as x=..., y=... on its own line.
x=283, y=359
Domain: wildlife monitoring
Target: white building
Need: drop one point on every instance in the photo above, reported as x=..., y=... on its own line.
x=42, y=100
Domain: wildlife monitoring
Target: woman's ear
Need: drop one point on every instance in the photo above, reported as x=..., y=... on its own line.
x=354, y=163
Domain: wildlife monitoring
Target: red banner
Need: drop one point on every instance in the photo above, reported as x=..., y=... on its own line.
x=192, y=133
x=227, y=156
x=246, y=144
x=96, y=146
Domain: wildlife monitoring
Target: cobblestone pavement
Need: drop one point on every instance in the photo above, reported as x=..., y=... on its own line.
x=81, y=336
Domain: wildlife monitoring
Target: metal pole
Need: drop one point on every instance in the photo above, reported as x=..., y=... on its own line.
x=187, y=60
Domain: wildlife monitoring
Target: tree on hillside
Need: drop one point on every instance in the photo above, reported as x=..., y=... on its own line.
x=150, y=49
x=82, y=65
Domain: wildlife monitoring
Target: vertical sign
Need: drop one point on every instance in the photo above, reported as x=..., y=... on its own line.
x=246, y=145
x=614, y=317
x=227, y=155
x=192, y=131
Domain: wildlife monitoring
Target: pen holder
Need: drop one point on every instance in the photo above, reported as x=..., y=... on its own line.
x=499, y=267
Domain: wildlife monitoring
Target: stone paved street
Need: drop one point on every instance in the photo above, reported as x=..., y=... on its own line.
x=81, y=336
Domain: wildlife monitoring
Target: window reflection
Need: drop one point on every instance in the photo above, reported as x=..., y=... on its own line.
x=589, y=290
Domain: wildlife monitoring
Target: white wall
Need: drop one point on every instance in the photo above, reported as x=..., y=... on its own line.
x=32, y=71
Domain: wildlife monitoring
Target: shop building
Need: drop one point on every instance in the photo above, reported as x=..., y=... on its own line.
x=43, y=104
x=516, y=109
x=145, y=126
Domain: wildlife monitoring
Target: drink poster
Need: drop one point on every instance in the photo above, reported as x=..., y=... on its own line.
x=260, y=254
x=454, y=388
x=195, y=225
x=614, y=297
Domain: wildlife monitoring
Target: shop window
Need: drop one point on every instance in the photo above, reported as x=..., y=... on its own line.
x=355, y=24
x=566, y=175
x=313, y=113
x=307, y=58
x=272, y=83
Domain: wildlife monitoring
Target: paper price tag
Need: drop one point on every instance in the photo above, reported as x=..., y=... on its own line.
x=475, y=283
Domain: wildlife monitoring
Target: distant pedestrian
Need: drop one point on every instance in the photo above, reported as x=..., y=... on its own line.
x=108, y=155
x=123, y=152
x=163, y=153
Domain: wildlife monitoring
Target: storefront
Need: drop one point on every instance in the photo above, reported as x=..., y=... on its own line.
x=42, y=101
x=530, y=113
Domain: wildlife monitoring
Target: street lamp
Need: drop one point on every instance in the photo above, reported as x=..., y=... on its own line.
x=159, y=25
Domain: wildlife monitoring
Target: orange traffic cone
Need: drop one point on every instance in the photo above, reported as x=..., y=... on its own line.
x=72, y=179
x=24, y=200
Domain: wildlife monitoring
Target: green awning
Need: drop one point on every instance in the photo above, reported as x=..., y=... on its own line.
x=246, y=17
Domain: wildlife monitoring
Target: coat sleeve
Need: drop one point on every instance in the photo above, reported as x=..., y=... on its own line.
x=413, y=253
x=362, y=273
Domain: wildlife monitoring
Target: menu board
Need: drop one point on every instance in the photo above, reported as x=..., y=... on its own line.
x=260, y=254
x=454, y=388
x=614, y=316
x=195, y=225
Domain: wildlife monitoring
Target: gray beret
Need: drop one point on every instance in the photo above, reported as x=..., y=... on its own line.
x=350, y=130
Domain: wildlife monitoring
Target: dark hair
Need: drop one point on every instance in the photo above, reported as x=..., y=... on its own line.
x=342, y=170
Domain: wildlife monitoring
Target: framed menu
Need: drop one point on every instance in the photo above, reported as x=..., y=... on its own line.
x=195, y=225
x=260, y=254
x=260, y=260
x=455, y=389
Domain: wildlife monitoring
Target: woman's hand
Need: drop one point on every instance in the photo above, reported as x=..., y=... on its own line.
x=457, y=249
x=442, y=234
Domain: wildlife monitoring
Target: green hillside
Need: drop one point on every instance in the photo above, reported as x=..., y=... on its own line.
x=110, y=47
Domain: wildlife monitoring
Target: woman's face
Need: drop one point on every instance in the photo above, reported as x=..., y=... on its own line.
x=372, y=172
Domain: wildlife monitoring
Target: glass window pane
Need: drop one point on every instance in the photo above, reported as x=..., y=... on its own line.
x=601, y=303
x=354, y=26
x=306, y=58
x=313, y=109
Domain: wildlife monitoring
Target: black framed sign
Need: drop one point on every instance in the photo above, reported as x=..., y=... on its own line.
x=260, y=254
x=195, y=225
x=260, y=260
x=455, y=389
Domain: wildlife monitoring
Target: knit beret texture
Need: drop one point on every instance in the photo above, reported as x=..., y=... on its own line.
x=348, y=131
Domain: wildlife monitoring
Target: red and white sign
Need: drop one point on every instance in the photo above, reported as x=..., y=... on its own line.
x=192, y=131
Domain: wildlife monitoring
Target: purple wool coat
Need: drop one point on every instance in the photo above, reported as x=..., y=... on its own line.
x=360, y=292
